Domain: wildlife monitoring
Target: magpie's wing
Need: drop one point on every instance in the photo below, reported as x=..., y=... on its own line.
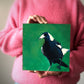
x=57, y=42
x=56, y=50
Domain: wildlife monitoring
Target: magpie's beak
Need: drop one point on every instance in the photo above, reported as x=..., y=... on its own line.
x=42, y=37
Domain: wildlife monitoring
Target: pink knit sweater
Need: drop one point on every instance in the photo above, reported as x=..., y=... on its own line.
x=56, y=12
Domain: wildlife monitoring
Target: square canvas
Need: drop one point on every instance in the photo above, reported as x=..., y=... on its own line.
x=46, y=47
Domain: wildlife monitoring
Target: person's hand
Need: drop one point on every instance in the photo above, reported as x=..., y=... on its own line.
x=48, y=73
x=42, y=74
x=37, y=19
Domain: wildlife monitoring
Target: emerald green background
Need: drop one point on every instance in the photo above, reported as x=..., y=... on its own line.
x=33, y=59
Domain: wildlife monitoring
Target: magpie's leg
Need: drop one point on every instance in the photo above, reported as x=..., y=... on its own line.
x=49, y=66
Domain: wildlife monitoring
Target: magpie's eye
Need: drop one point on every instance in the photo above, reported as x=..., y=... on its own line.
x=45, y=34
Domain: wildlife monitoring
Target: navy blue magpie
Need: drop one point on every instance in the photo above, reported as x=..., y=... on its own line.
x=53, y=50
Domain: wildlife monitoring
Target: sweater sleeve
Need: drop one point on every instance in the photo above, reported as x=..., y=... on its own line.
x=77, y=53
x=11, y=35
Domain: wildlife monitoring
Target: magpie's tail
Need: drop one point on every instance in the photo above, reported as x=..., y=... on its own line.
x=60, y=62
x=63, y=64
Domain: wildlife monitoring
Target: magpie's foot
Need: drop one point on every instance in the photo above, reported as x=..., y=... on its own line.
x=59, y=67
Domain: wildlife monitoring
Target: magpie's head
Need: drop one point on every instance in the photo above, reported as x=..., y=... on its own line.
x=46, y=36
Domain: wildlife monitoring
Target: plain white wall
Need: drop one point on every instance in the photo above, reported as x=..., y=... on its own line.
x=6, y=62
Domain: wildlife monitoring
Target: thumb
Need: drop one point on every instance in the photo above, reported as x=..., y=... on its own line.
x=42, y=73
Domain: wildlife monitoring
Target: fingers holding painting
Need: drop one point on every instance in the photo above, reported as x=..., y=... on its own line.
x=42, y=74
x=44, y=20
x=54, y=73
x=37, y=19
x=31, y=71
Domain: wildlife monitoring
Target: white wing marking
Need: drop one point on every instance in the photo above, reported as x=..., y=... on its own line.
x=59, y=46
